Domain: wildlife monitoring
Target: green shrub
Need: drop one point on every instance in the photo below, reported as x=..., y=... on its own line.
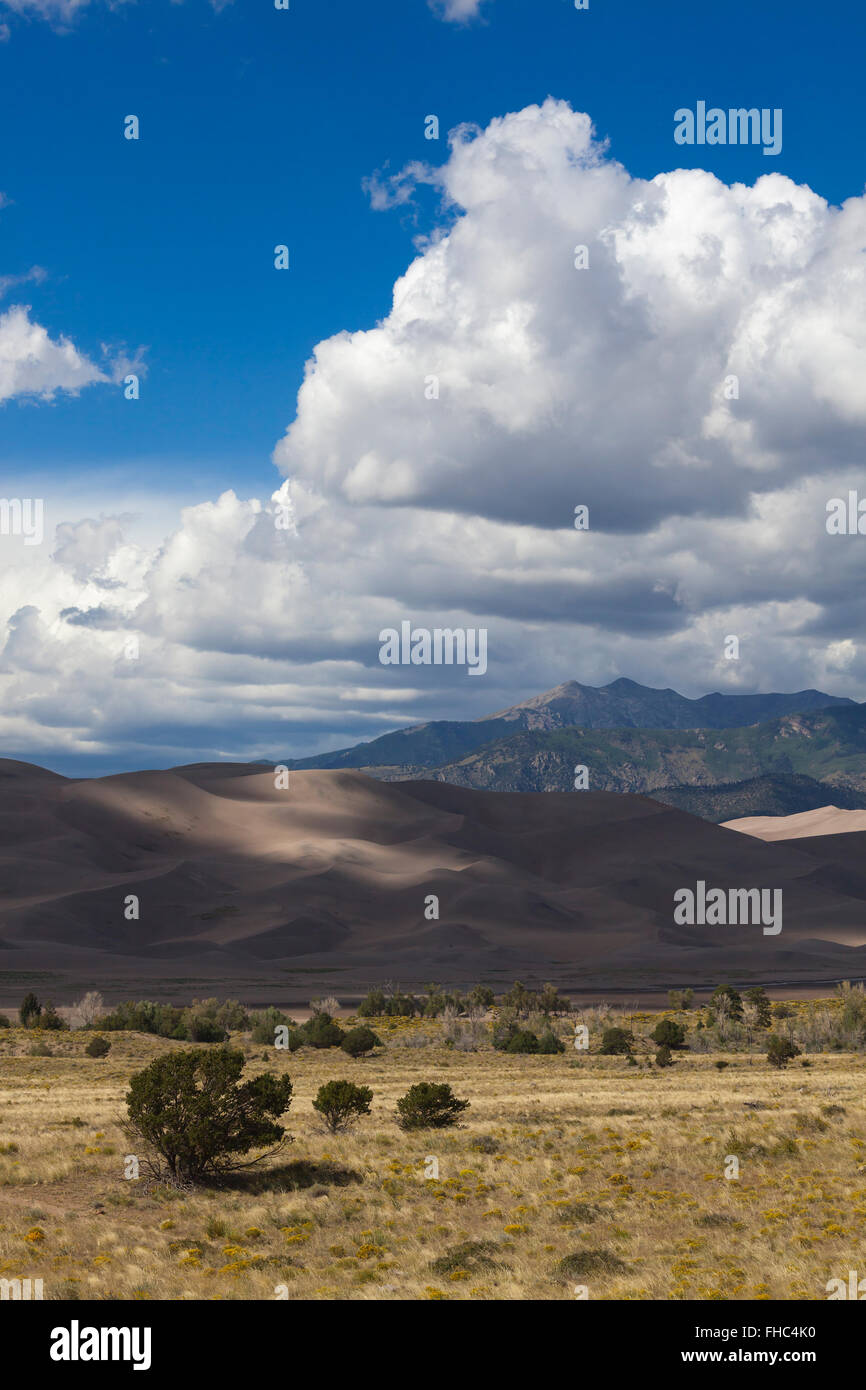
x=373, y=1005
x=481, y=996
x=378, y=1004
x=616, y=1042
x=190, y=1110
x=205, y=1020
x=40, y=1049
x=202, y=1029
x=318, y=1031
x=504, y=1029
x=550, y=1002
x=664, y=1057
x=519, y=998
x=211, y=1020
x=358, y=1041
x=50, y=1018
x=4, y=1022
x=549, y=1043
x=266, y=1022
x=521, y=1040
x=341, y=1103
x=427, y=1105
x=781, y=1051
x=681, y=998
x=165, y=1020
x=669, y=1034
x=98, y=1047
x=438, y=1000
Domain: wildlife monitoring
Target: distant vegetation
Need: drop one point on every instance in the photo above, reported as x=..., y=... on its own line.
x=205, y=1020
x=518, y=1021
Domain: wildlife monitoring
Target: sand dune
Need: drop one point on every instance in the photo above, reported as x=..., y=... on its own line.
x=232, y=875
x=826, y=820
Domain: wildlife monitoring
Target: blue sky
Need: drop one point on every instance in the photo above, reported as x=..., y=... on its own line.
x=258, y=127
x=261, y=127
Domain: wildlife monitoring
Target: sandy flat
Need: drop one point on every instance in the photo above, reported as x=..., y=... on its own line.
x=825, y=820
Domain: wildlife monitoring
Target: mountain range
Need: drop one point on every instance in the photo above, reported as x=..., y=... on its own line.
x=720, y=756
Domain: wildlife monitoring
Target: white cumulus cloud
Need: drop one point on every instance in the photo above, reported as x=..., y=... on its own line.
x=610, y=386
x=32, y=363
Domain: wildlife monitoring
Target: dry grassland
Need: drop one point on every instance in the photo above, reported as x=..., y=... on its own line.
x=574, y=1155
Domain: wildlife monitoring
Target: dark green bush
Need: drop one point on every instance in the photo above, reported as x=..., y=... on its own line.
x=373, y=1005
x=519, y=998
x=549, y=1043
x=205, y=1020
x=438, y=1000
x=521, y=1041
x=50, y=1018
x=616, y=1042
x=202, y=1029
x=360, y=1040
x=266, y=1022
x=190, y=1110
x=663, y=1056
x=341, y=1103
x=481, y=996
x=427, y=1105
x=4, y=1022
x=550, y=1002
x=98, y=1047
x=667, y=1033
x=781, y=1051
x=145, y=1017
x=318, y=1031
x=378, y=1004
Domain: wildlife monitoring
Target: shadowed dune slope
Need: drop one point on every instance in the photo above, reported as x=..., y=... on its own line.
x=231, y=873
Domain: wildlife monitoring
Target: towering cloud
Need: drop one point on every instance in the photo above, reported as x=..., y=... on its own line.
x=681, y=357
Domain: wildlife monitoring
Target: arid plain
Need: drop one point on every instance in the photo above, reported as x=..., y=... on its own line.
x=615, y=1169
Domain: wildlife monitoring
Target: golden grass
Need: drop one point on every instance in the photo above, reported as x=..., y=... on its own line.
x=569, y=1155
